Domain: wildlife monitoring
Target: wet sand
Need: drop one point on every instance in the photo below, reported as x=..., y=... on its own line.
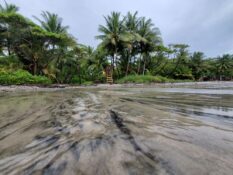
x=54, y=87
x=117, y=131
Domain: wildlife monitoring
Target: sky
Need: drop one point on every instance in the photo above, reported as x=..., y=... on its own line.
x=205, y=25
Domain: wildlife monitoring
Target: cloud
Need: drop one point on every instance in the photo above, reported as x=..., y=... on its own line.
x=205, y=25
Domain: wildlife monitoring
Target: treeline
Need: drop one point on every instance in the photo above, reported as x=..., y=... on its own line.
x=46, y=49
x=131, y=45
x=135, y=46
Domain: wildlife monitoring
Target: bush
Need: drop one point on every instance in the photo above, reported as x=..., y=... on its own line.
x=184, y=76
x=88, y=83
x=76, y=80
x=21, y=77
x=10, y=63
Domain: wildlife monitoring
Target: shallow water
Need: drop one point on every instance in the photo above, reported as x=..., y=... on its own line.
x=117, y=131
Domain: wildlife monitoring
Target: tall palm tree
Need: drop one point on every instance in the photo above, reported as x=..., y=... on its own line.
x=113, y=35
x=52, y=23
x=149, y=38
x=131, y=25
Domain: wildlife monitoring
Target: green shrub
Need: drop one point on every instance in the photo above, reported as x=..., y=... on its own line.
x=184, y=76
x=10, y=63
x=21, y=77
x=87, y=83
x=76, y=80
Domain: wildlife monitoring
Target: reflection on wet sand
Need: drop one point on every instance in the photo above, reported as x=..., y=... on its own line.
x=121, y=131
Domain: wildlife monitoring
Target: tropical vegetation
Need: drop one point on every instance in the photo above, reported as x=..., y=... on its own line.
x=42, y=51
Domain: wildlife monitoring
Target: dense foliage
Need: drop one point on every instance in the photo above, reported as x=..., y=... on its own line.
x=130, y=44
x=21, y=77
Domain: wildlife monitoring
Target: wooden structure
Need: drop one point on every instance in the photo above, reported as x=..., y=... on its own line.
x=108, y=72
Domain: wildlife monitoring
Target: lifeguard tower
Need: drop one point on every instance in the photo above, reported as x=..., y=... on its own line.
x=108, y=73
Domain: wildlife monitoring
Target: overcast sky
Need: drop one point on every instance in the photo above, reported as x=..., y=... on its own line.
x=205, y=25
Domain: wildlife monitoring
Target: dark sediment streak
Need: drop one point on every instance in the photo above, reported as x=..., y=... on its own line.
x=122, y=127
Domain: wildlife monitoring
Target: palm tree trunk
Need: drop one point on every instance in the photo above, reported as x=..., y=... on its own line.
x=8, y=45
x=127, y=69
x=139, y=64
x=79, y=74
x=34, y=68
x=128, y=63
x=113, y=61
x=144, y=66
x=114, y=58
x=8, y=50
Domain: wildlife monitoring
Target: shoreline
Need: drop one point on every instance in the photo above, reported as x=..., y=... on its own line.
x=28, y=88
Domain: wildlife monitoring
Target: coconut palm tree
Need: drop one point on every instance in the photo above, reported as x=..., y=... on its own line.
x=149, y=38
x=223, y=64
x=131, y=22
x=52, y=23
x=9, y=8
x=113, y=35
x=131, y=25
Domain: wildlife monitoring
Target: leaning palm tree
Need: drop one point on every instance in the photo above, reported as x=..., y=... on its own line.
x=9, y=8
x=52, y=23
x=181, y=56
x=113, y=35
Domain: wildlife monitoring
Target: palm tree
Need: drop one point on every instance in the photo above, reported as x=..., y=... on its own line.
x=223, y=64
x=181, y=57
x=52, y=23
x=131, y=22
x=9, y=8
x=149, y=38
x=113, y=35
x=131, y=25
x=91, y=64
x=197, y=64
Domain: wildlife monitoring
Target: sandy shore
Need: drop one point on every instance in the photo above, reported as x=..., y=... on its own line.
x=113, y=130
x=212, y=84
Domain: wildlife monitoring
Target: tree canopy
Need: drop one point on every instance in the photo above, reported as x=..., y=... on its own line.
x=130, y=44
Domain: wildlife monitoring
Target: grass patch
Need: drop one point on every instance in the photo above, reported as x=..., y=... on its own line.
x=88, y=83
x=147, y=79
x=21, y=77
